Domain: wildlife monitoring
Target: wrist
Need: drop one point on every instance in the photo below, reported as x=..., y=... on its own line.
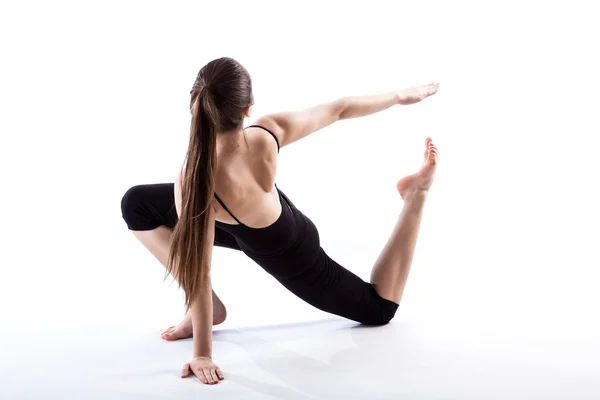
x=202, y=358
x=398, y=98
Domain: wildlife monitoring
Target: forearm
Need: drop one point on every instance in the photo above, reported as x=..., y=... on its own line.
x=360, y=106
x=202, y=321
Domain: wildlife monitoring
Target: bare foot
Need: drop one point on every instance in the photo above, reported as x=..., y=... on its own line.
x=417, y=93
x=422, y=180
x=184, y=329
x=181, y=331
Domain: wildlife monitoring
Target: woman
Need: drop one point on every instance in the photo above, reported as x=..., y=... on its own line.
x=226, y=196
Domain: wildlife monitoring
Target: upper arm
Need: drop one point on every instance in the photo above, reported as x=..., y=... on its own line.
x=295, y=125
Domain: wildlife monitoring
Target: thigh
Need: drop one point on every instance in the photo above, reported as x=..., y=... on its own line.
x=146, y=207
x=152, y=205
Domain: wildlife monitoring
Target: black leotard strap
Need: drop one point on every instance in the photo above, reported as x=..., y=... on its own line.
x=272, y=134
x=217, y=197
x=227, y=209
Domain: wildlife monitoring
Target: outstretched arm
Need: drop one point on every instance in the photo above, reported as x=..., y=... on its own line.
x=362, y=106
x=293, y=126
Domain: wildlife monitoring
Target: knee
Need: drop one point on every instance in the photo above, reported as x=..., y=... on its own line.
x=384, y=316
x=389, y=312
x=220, y=315
x=131, y=203
x=386, y=319
x=379, y=321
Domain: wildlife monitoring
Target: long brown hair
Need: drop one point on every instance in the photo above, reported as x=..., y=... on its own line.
x=220, y=95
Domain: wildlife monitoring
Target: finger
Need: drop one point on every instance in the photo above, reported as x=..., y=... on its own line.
x=213, y=373
x=186, y=370
x=208, y=376
x=220, y=374
x=200, y=374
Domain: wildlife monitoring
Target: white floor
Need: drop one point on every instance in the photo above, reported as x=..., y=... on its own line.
x=412, y=358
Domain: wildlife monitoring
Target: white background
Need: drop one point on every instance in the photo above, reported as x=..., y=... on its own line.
x=94, y=99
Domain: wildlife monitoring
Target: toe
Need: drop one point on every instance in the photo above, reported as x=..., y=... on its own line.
x=168, y=329
x=169, y=333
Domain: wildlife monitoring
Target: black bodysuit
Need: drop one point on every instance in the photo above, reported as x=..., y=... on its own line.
x=289, y=250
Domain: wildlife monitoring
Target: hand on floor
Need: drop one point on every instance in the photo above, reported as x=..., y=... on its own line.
x=203, y=367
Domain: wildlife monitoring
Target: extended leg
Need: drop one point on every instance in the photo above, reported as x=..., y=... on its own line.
x=390, y=272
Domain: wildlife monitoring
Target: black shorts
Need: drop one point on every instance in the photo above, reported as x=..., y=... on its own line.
x=299, y=263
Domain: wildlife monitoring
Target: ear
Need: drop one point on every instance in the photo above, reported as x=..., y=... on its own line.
x=247, y=111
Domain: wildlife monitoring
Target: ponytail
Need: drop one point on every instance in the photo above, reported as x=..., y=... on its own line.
x=187, y=261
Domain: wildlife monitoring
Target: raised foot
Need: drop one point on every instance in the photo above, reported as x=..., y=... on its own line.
x=417, y=93
x=422, y=180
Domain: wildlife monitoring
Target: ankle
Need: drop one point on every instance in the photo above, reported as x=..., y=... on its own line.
x=415, y=196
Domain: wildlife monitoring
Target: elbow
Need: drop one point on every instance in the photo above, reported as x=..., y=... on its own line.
x=340, y=108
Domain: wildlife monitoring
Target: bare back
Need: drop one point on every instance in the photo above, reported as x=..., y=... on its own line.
x=245, y=179
x=245, y=174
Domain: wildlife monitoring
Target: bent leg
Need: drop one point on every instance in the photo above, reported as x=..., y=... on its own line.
x=149, y=211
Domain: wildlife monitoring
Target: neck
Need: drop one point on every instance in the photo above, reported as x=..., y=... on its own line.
x=230, y=140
